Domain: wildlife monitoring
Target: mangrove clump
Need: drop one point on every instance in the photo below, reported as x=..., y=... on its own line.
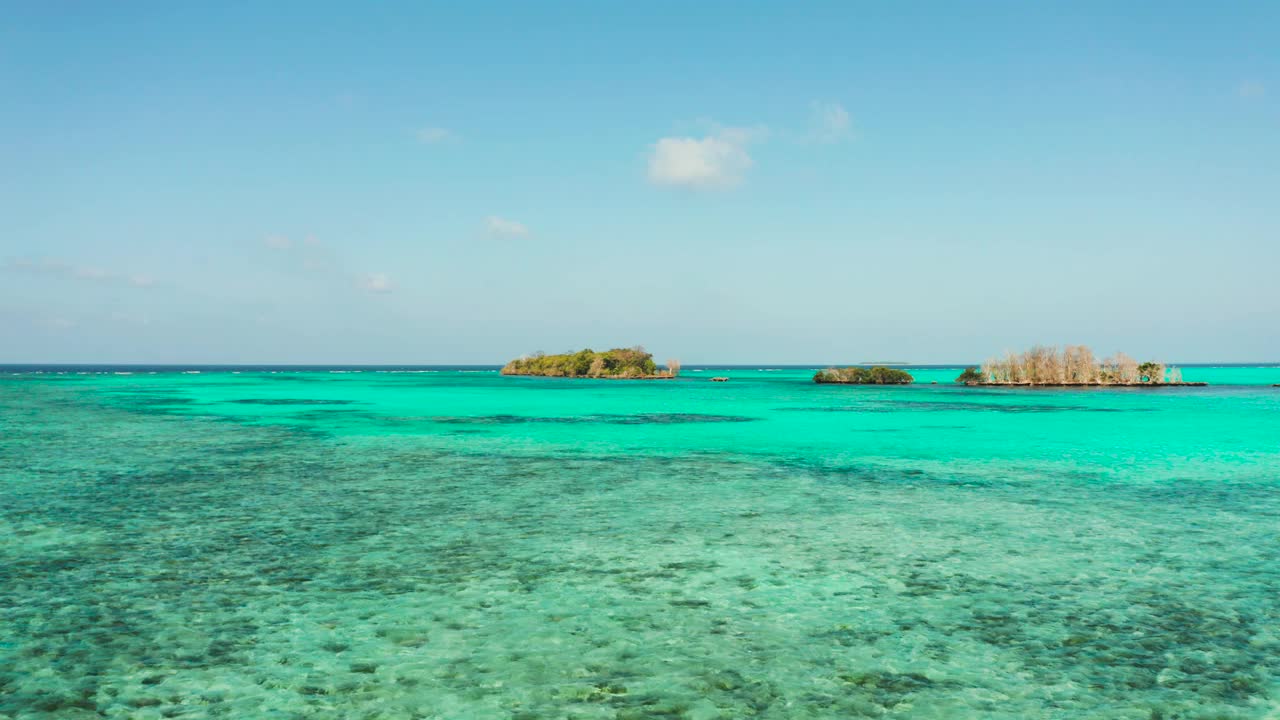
x=878, y=375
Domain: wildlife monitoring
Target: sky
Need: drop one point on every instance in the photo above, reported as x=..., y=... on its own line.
x=736, y=182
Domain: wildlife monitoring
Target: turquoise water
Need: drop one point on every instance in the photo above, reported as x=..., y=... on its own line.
x=456, y=544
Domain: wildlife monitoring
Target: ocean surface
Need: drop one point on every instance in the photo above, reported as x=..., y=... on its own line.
x=449, y=543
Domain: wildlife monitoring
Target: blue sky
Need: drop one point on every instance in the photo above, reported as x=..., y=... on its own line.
x=721, y=182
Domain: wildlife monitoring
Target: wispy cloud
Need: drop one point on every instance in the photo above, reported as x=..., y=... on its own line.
x=325, y=264
x=830, y=122
x=283, y=242
x=714, y=162
x=1251, y=89
x=505, y=228
x=309, y=253
x=433, y=135
x=376, y=282
x=720, y=159
x=77, y=272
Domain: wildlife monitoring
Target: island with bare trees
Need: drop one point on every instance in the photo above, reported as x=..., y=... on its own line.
x=1072, y=366
x=616, y=364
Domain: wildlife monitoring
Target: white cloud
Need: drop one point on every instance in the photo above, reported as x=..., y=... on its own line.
x=505, y=228
x=830, y=122
x=716, y=161
x=433, y=135
x=1251, y=89
x=376, y=282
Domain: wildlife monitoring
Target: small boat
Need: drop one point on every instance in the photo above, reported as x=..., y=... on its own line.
x=719, y=379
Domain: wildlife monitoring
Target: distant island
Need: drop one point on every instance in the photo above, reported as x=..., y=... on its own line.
x=618, y=363
x=878, y=375
x=1071, y=366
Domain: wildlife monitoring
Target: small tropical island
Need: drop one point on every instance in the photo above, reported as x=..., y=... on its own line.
x=616, y=364
x=1072, y=366
x=878, y=375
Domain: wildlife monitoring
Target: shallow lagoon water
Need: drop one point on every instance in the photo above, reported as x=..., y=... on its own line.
x=452, y=544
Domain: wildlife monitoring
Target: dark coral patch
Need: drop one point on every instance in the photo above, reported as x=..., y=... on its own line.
x=888, y=406
x=290, y=401
x=638, y=419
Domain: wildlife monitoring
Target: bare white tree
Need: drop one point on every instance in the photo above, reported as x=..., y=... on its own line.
x=1124, y=369
x=1075, y=364
x=1080, y=365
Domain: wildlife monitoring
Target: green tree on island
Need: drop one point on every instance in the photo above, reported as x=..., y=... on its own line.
x=628, y=363
x=878, y=375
